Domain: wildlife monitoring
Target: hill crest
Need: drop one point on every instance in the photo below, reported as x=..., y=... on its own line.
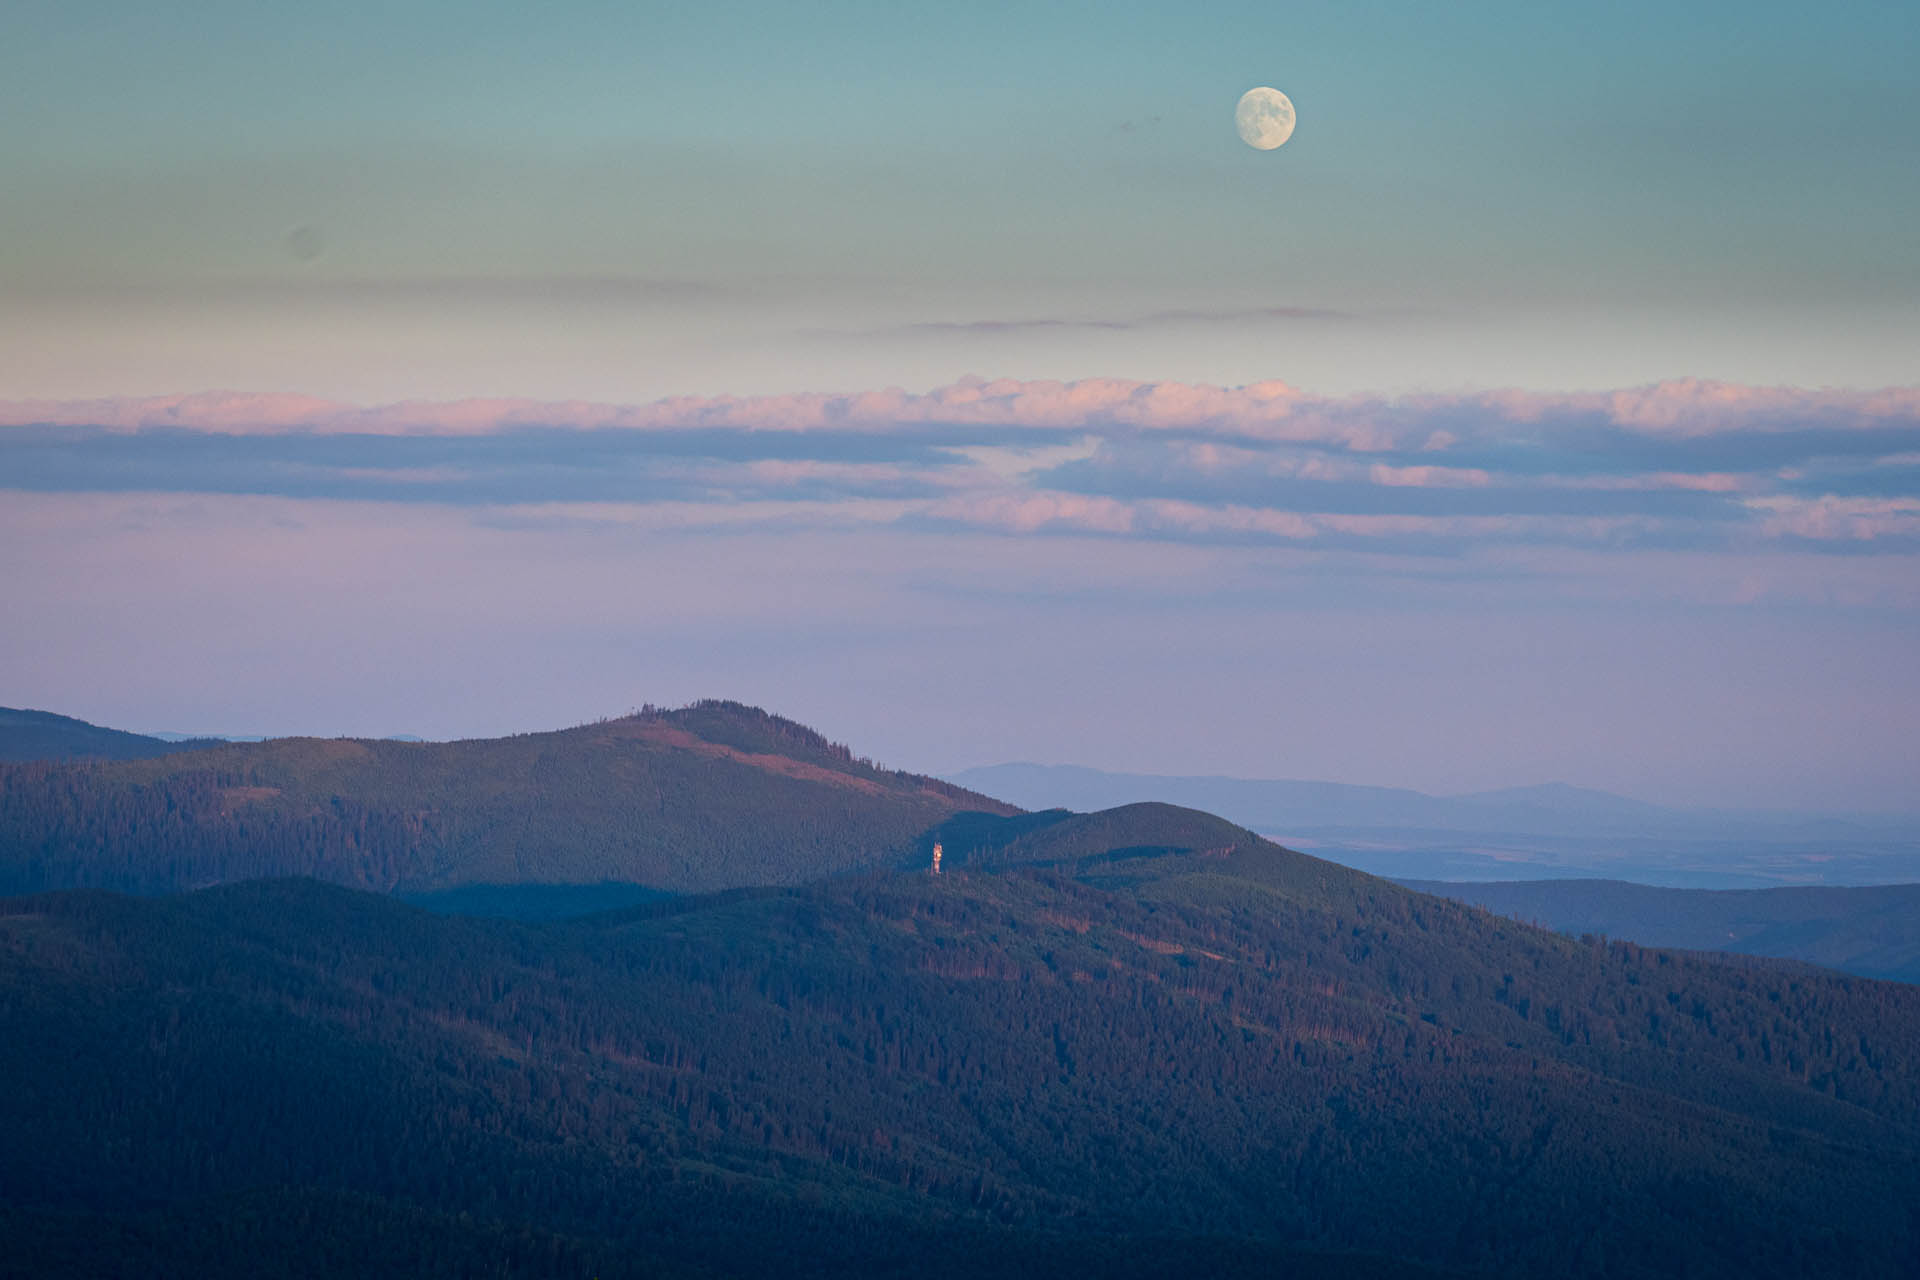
x=710, y=796
x=26, y=734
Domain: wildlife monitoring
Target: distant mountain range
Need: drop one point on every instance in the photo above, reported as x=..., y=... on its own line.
x=1551, y=831
x=719, y=795
x=1554, y=830
x=1277, y=804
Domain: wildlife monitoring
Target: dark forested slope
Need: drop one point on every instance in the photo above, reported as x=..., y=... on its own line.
x=704, y=797
x=1055, y=836
x=1145, y=1050
x=42, y=735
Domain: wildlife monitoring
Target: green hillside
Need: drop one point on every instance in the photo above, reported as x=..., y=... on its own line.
x=1230, y=1061
x=705, y=797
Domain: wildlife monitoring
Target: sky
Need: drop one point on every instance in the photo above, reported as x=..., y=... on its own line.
x=954, y=379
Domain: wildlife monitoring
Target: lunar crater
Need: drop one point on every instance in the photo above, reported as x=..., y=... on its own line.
x=1264, y=118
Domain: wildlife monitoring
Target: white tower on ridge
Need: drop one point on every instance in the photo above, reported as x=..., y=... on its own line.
x=935, y=869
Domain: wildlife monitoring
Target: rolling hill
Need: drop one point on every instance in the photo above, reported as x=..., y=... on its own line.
x=1554, y=831
x=1872, y=930
x=705, y=797
x=42, y=735
x=1130, y=1043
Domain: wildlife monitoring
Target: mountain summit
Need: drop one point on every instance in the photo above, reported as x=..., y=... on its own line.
x=708, y=796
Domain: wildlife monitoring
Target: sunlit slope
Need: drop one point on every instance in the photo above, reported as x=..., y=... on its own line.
x=705, y=797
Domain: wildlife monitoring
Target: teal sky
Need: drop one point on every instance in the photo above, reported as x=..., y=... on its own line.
x=626, y=201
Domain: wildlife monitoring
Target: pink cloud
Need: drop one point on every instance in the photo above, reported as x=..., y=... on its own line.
x=1693, y=407
x=1695, y=482
x=1269, y=411
x=1429, y=477
x=1837, y=518
x=783, y=471
x=1040, y=511
x=1028, y=512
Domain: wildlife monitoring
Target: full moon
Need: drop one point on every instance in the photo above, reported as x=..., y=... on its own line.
x=1264, y=118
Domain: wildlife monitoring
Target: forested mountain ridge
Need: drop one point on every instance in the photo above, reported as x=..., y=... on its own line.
x=1055, y=836
x=43, y=735
x=1179, y=1063
x=703, y=797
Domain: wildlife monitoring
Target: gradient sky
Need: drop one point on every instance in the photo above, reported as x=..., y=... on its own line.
x=1454, y=444
x=623, y=201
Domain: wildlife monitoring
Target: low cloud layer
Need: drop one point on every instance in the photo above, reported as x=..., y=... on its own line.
x=1682, y=465
x=1693, y=592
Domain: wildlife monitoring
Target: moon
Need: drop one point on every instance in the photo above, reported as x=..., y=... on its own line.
x=1264, y=118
